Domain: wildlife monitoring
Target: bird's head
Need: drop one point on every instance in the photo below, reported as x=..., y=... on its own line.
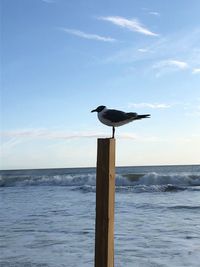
x=99, y=109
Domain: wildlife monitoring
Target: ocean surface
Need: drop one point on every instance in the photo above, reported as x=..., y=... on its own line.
x=47, y=217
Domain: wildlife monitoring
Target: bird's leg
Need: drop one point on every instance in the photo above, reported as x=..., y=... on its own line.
x=113, y=132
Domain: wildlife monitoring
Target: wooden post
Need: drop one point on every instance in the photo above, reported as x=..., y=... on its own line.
x=105, y=200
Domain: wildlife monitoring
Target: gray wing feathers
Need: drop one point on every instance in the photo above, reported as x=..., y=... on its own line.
x=117, y=115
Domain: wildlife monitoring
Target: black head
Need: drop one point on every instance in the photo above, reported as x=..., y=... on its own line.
x=98, y=109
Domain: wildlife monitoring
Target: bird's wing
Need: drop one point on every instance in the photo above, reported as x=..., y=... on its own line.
x=115, y=115
x=132, y=115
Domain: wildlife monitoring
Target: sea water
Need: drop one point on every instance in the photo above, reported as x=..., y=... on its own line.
x=47, y=217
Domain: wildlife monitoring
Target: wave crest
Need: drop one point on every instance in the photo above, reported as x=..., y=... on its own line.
x=165, y=182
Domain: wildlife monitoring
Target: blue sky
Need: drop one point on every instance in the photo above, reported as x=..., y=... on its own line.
x=61, y=59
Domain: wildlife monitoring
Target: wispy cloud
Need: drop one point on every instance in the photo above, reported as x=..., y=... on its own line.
x=46, y=134
x=130, y=24
x=48, y=1
x=154, y=13
x=18, y=137
x=143, y=50
x=9, y=144
x=196, y=71
x=149, y=105
x=150, y=12
x=180, y=51
x=171, y=63
x=89, y=36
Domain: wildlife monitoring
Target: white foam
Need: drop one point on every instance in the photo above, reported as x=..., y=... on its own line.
x=174, y=179
x=89, y=179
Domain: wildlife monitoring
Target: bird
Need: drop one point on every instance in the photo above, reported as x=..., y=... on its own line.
x=115, y=118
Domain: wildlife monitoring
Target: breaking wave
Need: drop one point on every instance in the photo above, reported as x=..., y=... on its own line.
x=49, y=180
x=136, y=182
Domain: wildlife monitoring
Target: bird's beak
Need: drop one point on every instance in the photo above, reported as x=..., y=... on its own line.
x=94, y=110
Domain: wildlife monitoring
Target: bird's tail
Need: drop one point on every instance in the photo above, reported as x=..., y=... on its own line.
x=139, y=117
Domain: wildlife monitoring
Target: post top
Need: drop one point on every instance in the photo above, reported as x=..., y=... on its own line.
x=109, y=138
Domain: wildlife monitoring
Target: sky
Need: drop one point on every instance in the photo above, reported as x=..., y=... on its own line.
x=60, y=59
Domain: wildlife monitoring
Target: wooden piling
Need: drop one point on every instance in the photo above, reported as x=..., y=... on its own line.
x=105, y=200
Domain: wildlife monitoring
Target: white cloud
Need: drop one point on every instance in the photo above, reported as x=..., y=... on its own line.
x=149, y=105
x=171, y=63
x=48, y=1
x=18, y=136
x=9, y=144
x=196, y=71
x=179, y=64
x=132, y=25
x=154, y=13
x=142, y=50
x=88, y=35
x=46, y=134
x=182, y=46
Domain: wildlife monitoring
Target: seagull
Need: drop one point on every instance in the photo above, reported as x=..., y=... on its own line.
x=115, y=118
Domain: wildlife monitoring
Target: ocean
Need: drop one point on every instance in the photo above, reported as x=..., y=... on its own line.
x=47, y=217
